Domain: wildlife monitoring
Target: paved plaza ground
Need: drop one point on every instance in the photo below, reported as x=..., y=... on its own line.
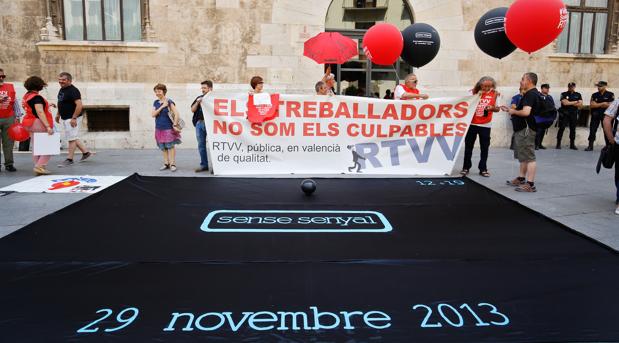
x=569, y=190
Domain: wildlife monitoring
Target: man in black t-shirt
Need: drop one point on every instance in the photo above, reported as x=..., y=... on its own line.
x=198, y=122
x=571, y=102
x=600, y=101
x=524, y=133
x=69, y=111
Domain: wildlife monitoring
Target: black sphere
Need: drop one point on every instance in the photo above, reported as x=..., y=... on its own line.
x=308, y=186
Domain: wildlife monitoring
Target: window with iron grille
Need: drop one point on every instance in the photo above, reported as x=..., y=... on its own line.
x=588, y=30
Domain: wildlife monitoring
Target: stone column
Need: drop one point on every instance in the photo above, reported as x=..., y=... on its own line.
x=148, y=33
x=49, y=32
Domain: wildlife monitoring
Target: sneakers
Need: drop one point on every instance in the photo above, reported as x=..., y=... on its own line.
x=164, y=167
x=526, y=188
x=40, y=170
x=66, y=163
x=10, y=168
x=85, y=156
x=617, y=211
x=516, y=182
x=201, y=169
x=173, y=167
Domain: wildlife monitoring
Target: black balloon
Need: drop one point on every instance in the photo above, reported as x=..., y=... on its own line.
x=490, y=34
x=308, y=186
x=421, y=44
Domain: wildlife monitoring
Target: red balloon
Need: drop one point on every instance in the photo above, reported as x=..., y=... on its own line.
x=533, y=24
x=18, y=132
x=383, y=44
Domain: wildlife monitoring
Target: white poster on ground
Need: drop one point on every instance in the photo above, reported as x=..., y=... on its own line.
x=63, y=184
x=337, y=135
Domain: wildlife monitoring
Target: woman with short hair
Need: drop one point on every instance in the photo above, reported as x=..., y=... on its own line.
x=167, y=132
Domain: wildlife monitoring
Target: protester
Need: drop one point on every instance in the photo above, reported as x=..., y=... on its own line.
x=199, y=124
x=167, y=133
x=611, y=121
x=409, y=91
x=516, y=99
x=544, y=122
x=481, y=125
x=329, y=80
x=321, y=88
x=524, y=133
x=600, y=101
x=38, y=118
x=571, y=102
x=257, y=85
x=69, y=111
x=9, y=110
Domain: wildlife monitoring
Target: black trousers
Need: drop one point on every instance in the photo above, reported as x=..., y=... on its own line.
x=540, y=132
x=568, y=119
x=469, y=143
x=596, y=122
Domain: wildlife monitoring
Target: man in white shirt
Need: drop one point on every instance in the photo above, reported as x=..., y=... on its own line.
x=409, y=91
x=610, y=120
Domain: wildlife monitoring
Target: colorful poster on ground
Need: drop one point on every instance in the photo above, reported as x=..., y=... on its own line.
x=63, y=184
x=336, y=135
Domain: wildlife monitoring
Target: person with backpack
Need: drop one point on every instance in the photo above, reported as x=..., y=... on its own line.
x=524, y=133
x=611, y=121
x=546, y=117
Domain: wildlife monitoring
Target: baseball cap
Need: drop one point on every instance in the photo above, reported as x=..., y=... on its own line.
x=602, y=84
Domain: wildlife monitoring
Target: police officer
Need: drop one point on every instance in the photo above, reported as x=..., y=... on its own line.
x=571, y=102
x=600, y=101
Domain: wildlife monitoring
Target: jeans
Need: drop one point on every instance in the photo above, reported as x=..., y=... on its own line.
x=7, y=142
x=469, y=143
x=201, y=136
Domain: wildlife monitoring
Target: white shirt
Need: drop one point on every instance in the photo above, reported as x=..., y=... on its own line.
x=399, y=91
x=611, y=111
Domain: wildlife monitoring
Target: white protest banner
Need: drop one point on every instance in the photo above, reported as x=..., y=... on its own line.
x=337, y=135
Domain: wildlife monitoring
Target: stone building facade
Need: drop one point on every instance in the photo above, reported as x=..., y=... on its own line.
x=181, y=43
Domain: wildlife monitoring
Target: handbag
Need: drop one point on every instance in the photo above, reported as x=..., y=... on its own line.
x=607, y=157
x=181, y=123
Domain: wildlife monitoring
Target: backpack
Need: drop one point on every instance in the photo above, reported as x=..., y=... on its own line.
x=546, y=107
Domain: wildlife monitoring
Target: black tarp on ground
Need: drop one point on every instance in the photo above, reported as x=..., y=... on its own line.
x=456, y=249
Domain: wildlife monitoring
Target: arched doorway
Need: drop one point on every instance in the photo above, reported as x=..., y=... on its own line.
x=353, y=18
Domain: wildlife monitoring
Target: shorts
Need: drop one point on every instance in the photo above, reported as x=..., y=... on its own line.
x=524, y=145
x=71, y=133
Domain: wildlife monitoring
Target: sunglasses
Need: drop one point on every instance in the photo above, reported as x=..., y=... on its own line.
x=2, y=76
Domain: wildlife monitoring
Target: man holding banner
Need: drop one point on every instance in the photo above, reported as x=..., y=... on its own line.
x=409, y=91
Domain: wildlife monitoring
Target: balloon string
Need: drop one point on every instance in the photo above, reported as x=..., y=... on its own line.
x=396, y=74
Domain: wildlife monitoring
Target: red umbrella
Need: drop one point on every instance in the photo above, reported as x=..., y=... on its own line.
x=330, y=47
